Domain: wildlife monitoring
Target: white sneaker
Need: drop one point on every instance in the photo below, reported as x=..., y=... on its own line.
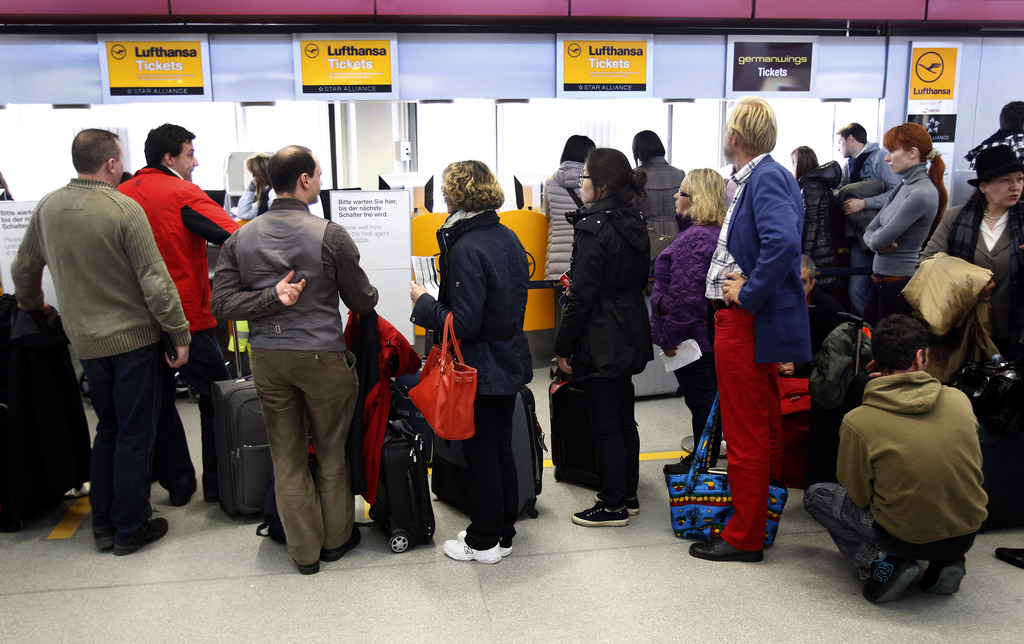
x=458, y=550
x=505, y=552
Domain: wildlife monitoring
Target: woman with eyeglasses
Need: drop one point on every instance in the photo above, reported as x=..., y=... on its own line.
x=679, y=310
x=605, y=334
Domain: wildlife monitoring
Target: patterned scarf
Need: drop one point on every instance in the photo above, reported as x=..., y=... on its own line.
x=963, y=241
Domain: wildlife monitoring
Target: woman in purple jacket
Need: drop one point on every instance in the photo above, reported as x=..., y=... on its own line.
x=679, y=310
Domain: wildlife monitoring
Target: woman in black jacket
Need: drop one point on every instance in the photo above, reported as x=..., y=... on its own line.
x=820, y=210
x=484, y=280
x=605, y=336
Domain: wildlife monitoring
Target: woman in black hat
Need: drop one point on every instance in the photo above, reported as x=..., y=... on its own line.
x=988, y=231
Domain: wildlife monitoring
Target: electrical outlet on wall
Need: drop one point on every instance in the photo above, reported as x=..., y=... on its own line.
x=404, y=151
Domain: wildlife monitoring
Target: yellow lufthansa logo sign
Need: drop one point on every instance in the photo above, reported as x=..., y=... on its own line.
x=346, y=66
x=601, y=66
x=154, y=68
x=934, y=74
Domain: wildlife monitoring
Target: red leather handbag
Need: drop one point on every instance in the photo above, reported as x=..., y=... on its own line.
x=447, y=389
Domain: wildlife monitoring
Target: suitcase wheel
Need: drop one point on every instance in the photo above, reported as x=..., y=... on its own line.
x=373, y=515
x=532, y=513
x=559, y=474
x=400, y=542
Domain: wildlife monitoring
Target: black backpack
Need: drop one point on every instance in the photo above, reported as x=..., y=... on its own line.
x=271, y=526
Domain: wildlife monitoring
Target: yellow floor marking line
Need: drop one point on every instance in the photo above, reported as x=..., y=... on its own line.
x=76, y=514
x=649, y=456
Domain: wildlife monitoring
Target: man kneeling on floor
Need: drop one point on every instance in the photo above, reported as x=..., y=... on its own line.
x=909, y=473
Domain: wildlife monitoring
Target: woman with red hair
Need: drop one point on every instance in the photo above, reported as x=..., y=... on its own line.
x=905, y=222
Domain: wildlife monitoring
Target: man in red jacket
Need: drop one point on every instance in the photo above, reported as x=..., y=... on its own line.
x=184, y=219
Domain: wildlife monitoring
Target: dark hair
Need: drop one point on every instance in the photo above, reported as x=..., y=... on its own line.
x=806, y=160
x=856, y=130
x=257, y=167
x=287, y=165
x=608, y=167
x=166, y=139
x=1011, y=117
x=577, y=147
x=92, y=148
x=646, y=146
x=896, y=340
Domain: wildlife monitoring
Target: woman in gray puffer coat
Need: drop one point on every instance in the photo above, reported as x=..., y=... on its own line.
x=556, y=201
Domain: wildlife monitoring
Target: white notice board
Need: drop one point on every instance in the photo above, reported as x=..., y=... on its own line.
x=14, y=218
x=379, y=222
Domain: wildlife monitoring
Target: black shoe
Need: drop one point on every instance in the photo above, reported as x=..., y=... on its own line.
x=185, y=495
x=1012, y=556
x=309, y=569
x=599, y=517
x=11, y=525
x=104, y=538
x=682, y=467
x=211, y=498
x=718, y=550
x=337, y=553
x=890, y=576
x=153, y=530
x=943, y=579
x=632, y=505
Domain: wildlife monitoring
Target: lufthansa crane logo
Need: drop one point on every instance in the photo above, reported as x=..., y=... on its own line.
x=311, y=50
x=118, y=51
x=574, y=50
x=929, y=67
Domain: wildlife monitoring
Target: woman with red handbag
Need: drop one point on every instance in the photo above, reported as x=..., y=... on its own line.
x=484, y=281
x=605, y=335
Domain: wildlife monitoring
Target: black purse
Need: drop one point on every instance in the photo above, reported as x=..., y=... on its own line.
x=996, y=392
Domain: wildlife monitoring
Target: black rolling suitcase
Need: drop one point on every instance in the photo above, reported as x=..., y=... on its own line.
x=449, y=472
x=402, y=506
x=243, y=453
x=1001, y=458
x=573, y=446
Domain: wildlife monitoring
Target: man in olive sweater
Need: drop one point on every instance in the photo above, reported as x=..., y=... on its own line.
x=909, y=471
x=116, y=297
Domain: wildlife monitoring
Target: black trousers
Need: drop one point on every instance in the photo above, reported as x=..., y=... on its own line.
x=491, y=474
x=610, y=404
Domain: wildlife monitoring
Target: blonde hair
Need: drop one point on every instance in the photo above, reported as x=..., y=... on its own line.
x=707, y=197
x=471, y=186
x=754, y=123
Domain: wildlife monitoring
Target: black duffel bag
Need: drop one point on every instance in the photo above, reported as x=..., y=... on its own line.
x=996, y=392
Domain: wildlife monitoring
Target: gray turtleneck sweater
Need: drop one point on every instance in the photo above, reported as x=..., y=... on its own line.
x=905, y=219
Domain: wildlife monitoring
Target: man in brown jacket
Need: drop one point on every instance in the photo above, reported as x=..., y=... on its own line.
x=909, y=471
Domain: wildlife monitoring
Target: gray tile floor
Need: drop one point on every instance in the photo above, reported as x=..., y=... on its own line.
x=213, y=580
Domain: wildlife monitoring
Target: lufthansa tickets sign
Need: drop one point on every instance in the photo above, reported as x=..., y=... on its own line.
x=604, y=67
x=157, y=68
x=336, y=66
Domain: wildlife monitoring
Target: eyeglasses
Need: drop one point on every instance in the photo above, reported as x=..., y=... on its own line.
x=682, y=194
x=583, y=176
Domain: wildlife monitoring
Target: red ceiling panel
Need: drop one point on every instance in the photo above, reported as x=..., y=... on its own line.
x=664, y=8
x=131, y=8
x=842, y=9
x=258, y=10
x=976, y=10
x=488, y=8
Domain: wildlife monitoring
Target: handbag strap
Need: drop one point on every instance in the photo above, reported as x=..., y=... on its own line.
x=702, y=455
x=449, y=342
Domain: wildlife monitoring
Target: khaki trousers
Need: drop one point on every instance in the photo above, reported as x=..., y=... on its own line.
x=306, y=393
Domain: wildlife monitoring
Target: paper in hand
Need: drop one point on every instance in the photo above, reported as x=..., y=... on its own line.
x=686, y=352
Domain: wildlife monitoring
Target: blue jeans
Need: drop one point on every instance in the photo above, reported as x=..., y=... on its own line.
x=610, y=406
x=698, y=383
x=172, y=464
x=206, y=365
x=851, y=527
x=859, y=258
x=125, y=393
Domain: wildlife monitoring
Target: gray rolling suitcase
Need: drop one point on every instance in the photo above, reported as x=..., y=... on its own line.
x=243, y=453
x=448, y=480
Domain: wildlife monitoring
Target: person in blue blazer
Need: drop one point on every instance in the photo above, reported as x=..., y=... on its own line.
x=760, y=320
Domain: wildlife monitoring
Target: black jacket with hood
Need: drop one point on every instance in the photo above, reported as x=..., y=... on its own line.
x=820, y=216
x=606, y=329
